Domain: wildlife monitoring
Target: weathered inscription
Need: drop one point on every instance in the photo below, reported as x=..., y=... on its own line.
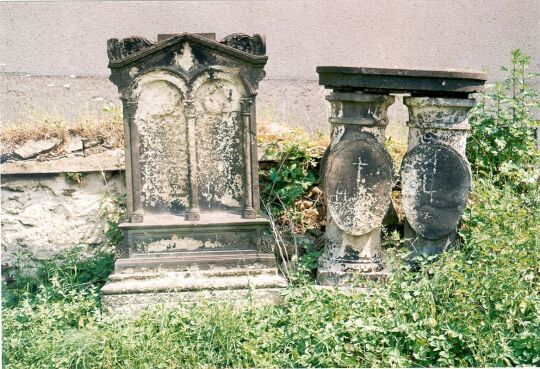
x=436, y=183
x=358, y=184
x=163, y=157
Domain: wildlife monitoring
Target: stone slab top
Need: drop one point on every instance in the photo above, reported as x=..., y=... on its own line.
x=216, y=219
x=107, y=161
x=417, y=82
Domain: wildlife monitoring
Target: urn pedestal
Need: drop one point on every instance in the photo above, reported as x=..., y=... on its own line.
x=357, y=180
x=357, y=170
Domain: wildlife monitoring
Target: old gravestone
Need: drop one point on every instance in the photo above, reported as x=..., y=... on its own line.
x=435, y=174
x=193, y=227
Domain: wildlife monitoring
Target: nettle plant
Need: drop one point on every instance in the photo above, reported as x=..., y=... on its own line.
x=502, y=140
x=289, y=189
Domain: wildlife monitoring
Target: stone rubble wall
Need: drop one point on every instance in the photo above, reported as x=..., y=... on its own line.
x=42, y=214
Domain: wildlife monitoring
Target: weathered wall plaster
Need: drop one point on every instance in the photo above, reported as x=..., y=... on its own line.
x=43, y=215
x=40, y=55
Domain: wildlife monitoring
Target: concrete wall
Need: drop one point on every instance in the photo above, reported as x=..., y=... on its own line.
x=63, y=39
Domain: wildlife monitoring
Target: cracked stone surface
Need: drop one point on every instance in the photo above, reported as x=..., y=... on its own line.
x=33, y=148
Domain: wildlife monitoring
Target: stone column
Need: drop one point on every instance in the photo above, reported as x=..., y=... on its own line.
x=249, y=210
x=357, y=177
x=137, y=213
x=435, y=173
x=127, y=150
x=193, y=213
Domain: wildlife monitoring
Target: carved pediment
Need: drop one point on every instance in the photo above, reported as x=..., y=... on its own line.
x=120, y=49
x=242, y=46
x=250, y=44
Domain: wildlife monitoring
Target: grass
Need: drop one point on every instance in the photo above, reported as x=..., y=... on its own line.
x=106, y=124
x=478, y=306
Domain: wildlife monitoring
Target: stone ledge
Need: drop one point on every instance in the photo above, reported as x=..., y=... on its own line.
x=129, y=304
x=182, y=282
x=212, y=263
x=107, y=161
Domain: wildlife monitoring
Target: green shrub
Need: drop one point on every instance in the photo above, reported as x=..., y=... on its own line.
x=478, y=306
x=113, y=210
x=295, y=172
x=502, y=139
x=79, y=268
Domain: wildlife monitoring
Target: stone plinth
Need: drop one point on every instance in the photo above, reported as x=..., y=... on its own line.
x=357, y=178
x=436, y=176
x=191, y=168
x=357, y=171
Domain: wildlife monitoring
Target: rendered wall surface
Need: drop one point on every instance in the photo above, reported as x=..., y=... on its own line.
x=44, y=43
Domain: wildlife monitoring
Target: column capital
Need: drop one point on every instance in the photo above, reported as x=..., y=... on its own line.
x=189, y=106
x=359, y=108
x=438, y=112
x=246, y=103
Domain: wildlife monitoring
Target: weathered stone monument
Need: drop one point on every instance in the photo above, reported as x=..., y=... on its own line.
x=357, y=170
x=193, y=227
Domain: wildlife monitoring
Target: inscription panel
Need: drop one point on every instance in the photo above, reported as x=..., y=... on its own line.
x=436, y=183
x=163, y=157
x=219, y=145
x=358, y=185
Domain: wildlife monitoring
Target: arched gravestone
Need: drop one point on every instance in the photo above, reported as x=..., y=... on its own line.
x=193, y=226
x=436, y=183
x=358, y=182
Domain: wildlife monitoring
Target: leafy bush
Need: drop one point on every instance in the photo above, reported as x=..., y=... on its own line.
x=502, y=139
x=293, y=201
x=295, y=172
x=77, y=269
x=113, y=210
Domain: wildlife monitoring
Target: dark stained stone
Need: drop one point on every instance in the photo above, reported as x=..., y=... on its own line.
x=358, y=184
x=417, y=82
x=142, y=54
x=165, y=36
x=436, y=181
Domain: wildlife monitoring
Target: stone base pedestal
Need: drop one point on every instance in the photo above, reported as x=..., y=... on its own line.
x=174, y=234
x=346, y=255
x=347, y=278
x=169, y=261
x=422, y=246
x=130, y=293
